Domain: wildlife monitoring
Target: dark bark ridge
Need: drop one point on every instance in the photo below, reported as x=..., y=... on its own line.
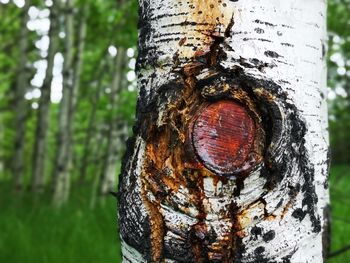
x=170, y=165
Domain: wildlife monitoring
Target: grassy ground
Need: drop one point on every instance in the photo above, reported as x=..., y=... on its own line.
x=35, y=232
x=340, y=205
x=32, y=231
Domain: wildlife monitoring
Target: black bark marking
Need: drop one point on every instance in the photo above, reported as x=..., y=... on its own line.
x=299, y=214
x=272, y=54
x=259, y=30
x=288, y=26
x=156, y=18
x=260, y=39
x=287, y=44
x=256, y=231
x=259, y=250
x=269, y=236
x=264, y=23
x=186, y=23
x=279, y=203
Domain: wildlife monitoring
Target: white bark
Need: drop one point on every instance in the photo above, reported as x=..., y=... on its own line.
x=277, y=49
x=71, y=81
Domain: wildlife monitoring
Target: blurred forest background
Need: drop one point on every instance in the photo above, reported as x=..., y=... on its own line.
x=67, y=102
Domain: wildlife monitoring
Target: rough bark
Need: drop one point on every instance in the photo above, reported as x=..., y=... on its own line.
x=108, y=178
x=42, y=126
x=268, y=57
x=20, y=105
x=61, y=178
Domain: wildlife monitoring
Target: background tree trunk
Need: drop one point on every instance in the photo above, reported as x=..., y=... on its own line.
x=91, y=129
x=73, y=96
x=61, y=172
x=98, y=155
x=20, y=104
x=42, y=126
x=203, y=66
x=108, y=178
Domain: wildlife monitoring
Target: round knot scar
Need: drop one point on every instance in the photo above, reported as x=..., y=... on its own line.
x=223, y=136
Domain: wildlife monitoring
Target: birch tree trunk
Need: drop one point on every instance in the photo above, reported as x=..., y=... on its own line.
x=68, y=104
x=20, y=102
x=108, y=178
x=39, y=155
x=61, y=172
x=228, y=162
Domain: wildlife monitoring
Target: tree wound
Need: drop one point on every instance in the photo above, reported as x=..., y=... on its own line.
x=223, y=137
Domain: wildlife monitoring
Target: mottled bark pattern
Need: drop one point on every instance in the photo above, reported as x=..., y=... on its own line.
x=267, y=59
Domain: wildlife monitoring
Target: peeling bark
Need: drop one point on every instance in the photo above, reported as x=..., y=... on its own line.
x=261, y=201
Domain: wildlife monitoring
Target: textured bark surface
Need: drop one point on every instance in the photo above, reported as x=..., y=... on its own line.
x=177, y=204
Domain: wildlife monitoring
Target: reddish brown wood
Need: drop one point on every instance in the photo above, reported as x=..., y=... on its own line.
x=223, y=136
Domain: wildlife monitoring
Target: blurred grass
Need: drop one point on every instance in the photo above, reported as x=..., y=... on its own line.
x=33, y=231
x=340, y=207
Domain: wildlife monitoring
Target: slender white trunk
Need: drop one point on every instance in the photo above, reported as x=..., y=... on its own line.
x=184, y=196
x=20, y=104
x=61, y=180
x=39, y=155
x=72, y=73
